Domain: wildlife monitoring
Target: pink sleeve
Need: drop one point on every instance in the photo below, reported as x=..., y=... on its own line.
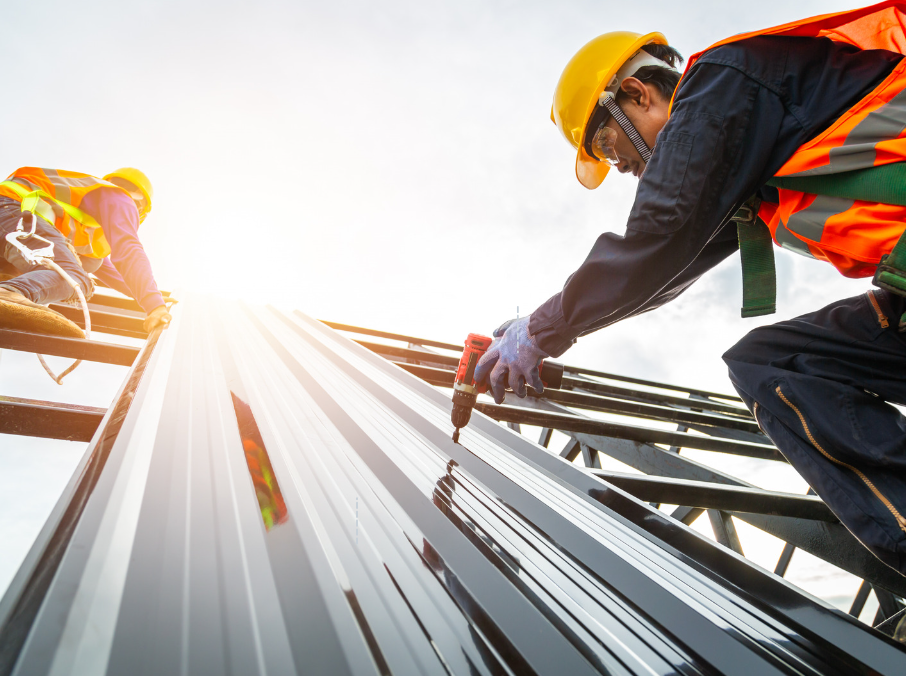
x=118, y=216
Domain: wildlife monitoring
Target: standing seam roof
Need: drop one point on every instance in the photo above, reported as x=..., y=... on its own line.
x=270, y=497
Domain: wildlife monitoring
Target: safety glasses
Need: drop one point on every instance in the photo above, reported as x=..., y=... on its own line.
x=141, y=203
x=602, y=145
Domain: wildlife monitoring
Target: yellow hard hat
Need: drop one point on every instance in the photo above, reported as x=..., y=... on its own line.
x=140, y=181
x=600, y=65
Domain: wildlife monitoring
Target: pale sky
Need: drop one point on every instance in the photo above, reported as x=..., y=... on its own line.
x=388, y=164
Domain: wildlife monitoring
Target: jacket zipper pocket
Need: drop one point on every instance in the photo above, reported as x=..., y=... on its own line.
x=901, y=521
x=882, y=318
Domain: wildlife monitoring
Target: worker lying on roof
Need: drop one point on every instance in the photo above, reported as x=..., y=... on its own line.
x=818, y=108
x=93, y=224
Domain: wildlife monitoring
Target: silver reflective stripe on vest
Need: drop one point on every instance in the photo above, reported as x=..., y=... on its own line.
x=61, y=190
x=787, y=240
x=858, y=150
x=810, y=222
x=62, y=184
x=28, y=185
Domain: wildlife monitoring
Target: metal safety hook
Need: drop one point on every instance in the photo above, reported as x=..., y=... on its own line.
x=44, y=258
x=19, y=237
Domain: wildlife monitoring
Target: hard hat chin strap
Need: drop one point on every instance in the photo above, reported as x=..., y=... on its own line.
x=608, y=101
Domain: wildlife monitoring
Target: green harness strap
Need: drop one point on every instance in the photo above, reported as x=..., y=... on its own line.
x=885, y=184
x=756, y=251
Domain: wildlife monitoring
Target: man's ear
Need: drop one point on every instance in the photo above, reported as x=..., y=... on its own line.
x=637, y=92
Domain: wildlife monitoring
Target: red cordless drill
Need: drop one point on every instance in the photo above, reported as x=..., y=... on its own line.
x=466, y=390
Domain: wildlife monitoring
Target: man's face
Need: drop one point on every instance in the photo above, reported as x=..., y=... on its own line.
x=648, y=112
x=630, y=160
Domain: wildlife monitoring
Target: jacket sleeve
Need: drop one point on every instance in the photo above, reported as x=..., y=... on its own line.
x=712, y=154
x=108, y=274
x=116, y=213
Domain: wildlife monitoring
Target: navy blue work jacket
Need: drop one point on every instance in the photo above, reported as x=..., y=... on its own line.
x=738, y=116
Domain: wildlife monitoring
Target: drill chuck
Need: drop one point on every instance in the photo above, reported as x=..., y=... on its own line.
x=461, y=415
x=462, y=407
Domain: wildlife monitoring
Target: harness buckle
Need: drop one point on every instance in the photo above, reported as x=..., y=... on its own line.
x=20, y=236
x=889, y=277
x=747, y=212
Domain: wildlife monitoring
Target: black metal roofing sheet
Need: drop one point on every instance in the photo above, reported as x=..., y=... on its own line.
x=266, y=496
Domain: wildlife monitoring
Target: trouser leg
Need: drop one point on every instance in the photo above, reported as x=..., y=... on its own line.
x=821, y=387
x=36, y=283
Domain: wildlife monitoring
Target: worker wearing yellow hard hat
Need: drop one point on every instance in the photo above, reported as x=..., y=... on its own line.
x=795, y=134
x=585, y=98
x=93, y=224
x=137, y=185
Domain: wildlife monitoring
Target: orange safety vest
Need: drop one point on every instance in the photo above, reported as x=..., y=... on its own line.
x=63, y=189
x=852, y=235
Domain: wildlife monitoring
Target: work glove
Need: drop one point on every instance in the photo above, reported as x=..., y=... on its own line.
x=512, y=359
x=157, y=317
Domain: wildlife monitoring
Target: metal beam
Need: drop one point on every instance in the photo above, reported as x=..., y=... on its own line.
x=715, y=496
x=783, y=561
x=444, y=378
x=576, y=370
x=888, y=606
x=592, y=402
x=432, y=376
x=116, y=302
x=73, y=348
x=422, y=350
x=831, y=542
x=571, y=451
x=707, y=422
x=48, y=419
x=407, y=353
x=101, y=284
x=594, y=387
x=104, y=322
x=590, y=457
x=651, y=459
x=725, y=530
x=687, y=515
x=392, y=336
x=828, y=541
x=573, y=423
x=861, y=597
x=544, y=439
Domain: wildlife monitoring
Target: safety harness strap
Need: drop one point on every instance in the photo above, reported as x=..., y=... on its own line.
x=32, y=202
x=756, y=250
x=885, y=184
